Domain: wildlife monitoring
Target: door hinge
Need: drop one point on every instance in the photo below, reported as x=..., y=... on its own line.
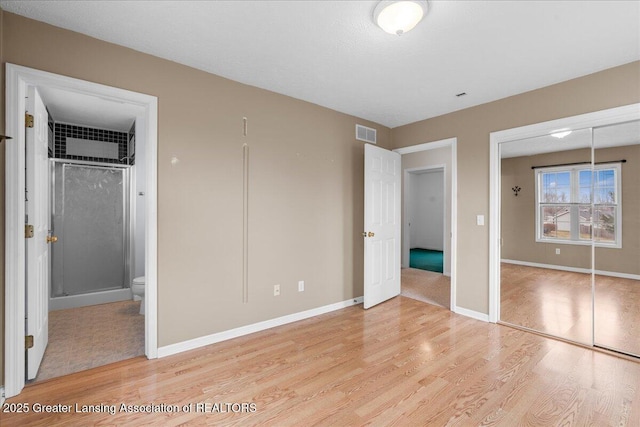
x=28, y=120
x=28, y=231
x=28, y=341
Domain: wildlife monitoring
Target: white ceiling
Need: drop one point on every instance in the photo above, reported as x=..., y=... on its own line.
x=332, y=54
x=92, y=111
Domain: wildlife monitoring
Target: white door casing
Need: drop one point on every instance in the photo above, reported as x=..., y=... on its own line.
x=382, y=224
x=451, y=144
x=37, y=211
x=18, y=79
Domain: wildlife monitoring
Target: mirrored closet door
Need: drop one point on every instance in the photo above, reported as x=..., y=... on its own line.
x=570, y=235
x=546, y=254
x=616, y=236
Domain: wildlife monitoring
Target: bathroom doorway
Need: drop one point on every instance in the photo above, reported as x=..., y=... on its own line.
x=93, y=319
x=18, y=304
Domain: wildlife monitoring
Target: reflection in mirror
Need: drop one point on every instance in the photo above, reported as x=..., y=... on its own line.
x=545, y=279
x=616, y=234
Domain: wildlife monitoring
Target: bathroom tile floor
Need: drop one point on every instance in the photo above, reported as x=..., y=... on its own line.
x=85, y=337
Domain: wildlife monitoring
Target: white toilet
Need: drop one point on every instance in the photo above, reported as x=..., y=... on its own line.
x=137, y=287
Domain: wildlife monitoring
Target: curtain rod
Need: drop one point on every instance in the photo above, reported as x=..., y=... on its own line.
x=579, y=163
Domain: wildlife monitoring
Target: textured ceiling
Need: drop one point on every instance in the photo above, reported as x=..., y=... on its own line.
x=332, y=54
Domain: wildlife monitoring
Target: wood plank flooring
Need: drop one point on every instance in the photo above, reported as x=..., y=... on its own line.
x=551, y=301
x=617, y=313
x=403, y=363
x=559, y=303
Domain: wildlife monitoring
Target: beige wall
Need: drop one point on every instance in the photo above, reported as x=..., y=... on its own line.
x=627, y=259
x=305, y=195
x=607, y=89
x=518, y=213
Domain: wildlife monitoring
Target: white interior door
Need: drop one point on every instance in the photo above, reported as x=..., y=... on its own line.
x=382, y=182
x=37, y=210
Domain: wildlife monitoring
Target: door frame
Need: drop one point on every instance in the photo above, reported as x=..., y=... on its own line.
x=17, y=80
x=598, y=118
x=451, y=143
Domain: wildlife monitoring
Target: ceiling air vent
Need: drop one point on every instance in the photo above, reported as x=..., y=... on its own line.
x=365, y=134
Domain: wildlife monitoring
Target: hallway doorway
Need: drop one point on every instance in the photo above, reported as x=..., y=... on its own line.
x=430, y=220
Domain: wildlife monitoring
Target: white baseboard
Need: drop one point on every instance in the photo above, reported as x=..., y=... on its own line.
x=168, y=350
x=572, y=269
x=471, y=313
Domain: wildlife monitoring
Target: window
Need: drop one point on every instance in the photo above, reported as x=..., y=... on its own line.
x=576, y=204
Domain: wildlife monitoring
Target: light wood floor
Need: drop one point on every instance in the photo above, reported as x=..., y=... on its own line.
x=559, y=303
x=402, y=363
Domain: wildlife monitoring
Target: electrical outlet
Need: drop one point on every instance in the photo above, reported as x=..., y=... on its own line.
x=557, y=251
x=276, y=290
x=301, y=286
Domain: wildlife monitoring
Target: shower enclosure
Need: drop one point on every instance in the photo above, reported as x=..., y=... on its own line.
x=90, y=263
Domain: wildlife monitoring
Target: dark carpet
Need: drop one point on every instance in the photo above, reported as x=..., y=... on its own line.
x=426, y=259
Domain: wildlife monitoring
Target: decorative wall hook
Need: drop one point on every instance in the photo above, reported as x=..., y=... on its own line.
x=516, y=190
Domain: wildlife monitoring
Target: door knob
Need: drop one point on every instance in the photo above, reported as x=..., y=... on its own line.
x=52, y=239
x=370, y=234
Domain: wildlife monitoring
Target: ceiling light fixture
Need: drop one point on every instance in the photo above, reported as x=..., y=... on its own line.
x=398, y=17
x=561, y=133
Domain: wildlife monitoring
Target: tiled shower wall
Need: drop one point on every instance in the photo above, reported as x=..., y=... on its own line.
x=63, y=131
x=132, y=144
x=50, y=127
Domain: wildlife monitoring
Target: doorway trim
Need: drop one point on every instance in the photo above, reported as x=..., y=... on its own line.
x=589, y=120
x=452, y=143
x=17, y=80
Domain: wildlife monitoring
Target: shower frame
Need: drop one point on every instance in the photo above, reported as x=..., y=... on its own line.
x=103, y=296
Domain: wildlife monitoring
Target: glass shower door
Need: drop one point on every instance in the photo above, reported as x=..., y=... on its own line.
x=90, y=221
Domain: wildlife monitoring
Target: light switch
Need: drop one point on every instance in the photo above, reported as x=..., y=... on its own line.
x=480, y=219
